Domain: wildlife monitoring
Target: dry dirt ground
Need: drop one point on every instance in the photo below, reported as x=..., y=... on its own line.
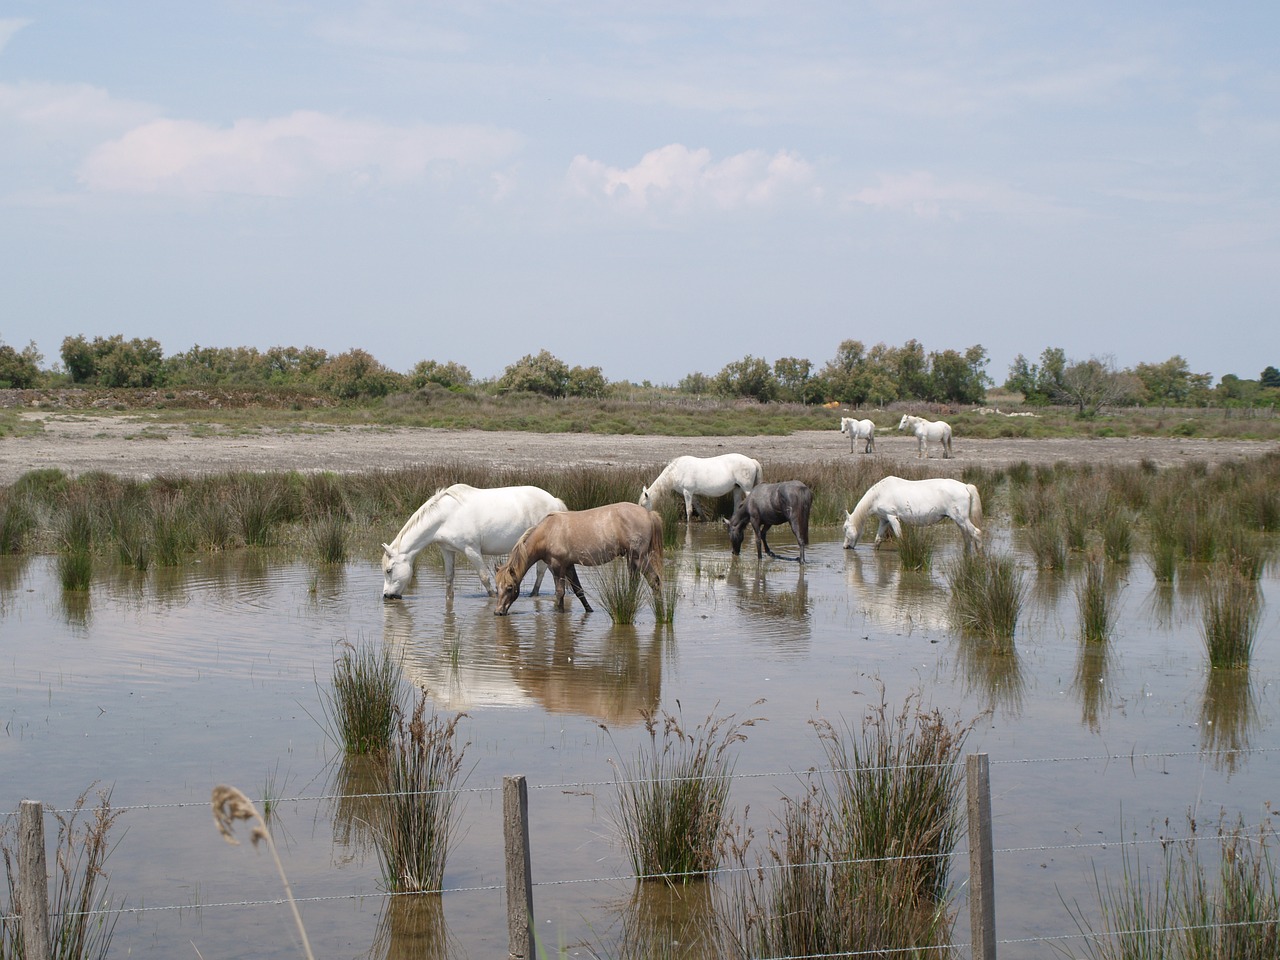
x=137, y=446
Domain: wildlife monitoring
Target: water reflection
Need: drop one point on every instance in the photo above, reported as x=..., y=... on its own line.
x=668, y=920
x=560, y=662
x=1229, y=716
x=992, y=672
x=355, y=778
x=77, y=608
x=1090, y=683
x=888, y=594
x=412, y=927
x=755, y=583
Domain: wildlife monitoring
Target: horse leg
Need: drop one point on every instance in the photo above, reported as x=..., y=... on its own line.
x=537, y=580
x=449, y=557
x=572, y=574
x=760, y=530
x=477, y=561
x=795, y=529
x=884, y=525
x=688, y=507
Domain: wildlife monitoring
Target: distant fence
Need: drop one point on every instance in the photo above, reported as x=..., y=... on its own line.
x=31, y=895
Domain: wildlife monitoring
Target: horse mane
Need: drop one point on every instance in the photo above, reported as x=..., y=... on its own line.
x=864, y=506
x=428, y=507
x=518, y=561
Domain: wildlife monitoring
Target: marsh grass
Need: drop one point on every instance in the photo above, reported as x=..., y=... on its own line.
x=1096, y=601
x=916, y=547
x=672, y=806
x=328, y=537
x=259, y=504
x=16, y=522
x=1117, y=534
x=1230, y=614
x=1194, y=909
x=229, y=805
x=1047, y=544
x=664, y=601
x=987, y=593
x=860, y=861
x=363, y=700
x=622, y=591
x=416, y=821
x=82, y=914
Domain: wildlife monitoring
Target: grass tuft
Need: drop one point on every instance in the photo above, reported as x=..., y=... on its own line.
x=363, y=701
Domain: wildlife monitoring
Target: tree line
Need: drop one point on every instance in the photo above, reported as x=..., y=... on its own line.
x=855, y=376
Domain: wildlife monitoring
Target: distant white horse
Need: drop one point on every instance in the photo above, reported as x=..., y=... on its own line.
x=928, y=431
x=704, y=477
x=465, y=520
x=859, y=430
x=918, y=503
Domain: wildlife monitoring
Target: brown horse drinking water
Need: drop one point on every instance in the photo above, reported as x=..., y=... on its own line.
x=590, y=537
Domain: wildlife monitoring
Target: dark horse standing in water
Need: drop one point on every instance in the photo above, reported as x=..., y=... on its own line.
x=769, y=504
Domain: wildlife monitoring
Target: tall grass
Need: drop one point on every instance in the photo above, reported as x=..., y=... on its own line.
x=672, y=810
x=16, y=522
x=916, y=547
x=415, y=823
x=1095, y=601
x=1194, y=909
x=860, y=862
x=76, y=535
x=1230, y=614
x=987, y=593
x=329, y=538
x=364, y=698
x=621, y=591
x=82, y=913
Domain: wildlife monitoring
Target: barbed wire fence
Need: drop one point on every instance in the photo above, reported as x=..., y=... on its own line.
x=30, y=906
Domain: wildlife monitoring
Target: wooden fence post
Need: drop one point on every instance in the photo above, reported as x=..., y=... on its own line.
x=982, y=902
x=33, y=880
x=515, y=830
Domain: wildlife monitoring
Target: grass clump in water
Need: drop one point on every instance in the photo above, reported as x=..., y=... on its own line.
x=987, y=593
x=621, y=590
x=415, y=823
x=81, y=913
x=673, y=813
x=915, y=547
x=862, y=857
x=364, y=698
x=1230, y=616
x=1095, y=601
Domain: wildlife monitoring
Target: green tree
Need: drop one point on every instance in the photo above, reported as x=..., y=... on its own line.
x=1167, y=383
x=911, y=368
x=544, y=374
x=749, y=377
x=845, y=376
x=450, y=375
x=1270, y=378
x=795, y=379
x=695, y=383
x=213, y=366
x=356, y=374
x=20, y=369
x=114, y=361
x=586, y=382
x=957, y=378
x=1089, y=385
x=290, y=366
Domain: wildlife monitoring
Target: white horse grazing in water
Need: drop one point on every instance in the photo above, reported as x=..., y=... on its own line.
x=704, y=477
x=928, y=431
x=919, y=503
x=465, y=520
x=859, y=430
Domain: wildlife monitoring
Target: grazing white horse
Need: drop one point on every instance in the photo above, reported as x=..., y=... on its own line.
x=928, y=431
x=465, y=520
x=859, y=430
x=704, y=477
x=919, y=503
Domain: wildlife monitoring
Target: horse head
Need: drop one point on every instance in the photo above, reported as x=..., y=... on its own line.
x=397, y=571
x=507, y=588
x=646, y=498
x=852, y=531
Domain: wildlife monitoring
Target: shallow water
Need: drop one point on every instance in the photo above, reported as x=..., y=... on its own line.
x=165, y=684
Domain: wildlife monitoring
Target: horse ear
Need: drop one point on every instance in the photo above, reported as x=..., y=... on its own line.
x=387, y=548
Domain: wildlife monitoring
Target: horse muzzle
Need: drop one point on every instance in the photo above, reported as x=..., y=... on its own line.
x=392, y=596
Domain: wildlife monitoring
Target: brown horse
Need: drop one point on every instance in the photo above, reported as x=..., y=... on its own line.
x=590, y=537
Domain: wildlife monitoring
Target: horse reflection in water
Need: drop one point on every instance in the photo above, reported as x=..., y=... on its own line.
x=759, y=595
x=559, y=664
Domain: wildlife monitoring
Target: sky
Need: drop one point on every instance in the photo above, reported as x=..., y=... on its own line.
x=654, y=188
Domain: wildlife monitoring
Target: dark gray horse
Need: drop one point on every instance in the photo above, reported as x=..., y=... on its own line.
x=766, y=505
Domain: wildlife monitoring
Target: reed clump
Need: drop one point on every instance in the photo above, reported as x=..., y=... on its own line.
x=916, y=547
x=1195, y=910
x=81, y=911
x=329, y=538
x=1096, y=601
x=621, y=591
x=673, y=796
x=860, y=861
x=416, y=821
x=364, y=698
x=1230, y=614
x=987, y=593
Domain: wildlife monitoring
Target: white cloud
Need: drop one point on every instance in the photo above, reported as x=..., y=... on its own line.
x=922, y=195
x=68, y=110
x=286, y=156
x=678, y=178
x=9, y=27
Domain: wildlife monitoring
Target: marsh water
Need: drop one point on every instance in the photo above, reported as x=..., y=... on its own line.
x=164, y=684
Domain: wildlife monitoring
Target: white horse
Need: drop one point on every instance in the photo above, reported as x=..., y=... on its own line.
x=465, y=520
x=919, y=503
x=859, y=430
x=928, y=431
x=704, y=477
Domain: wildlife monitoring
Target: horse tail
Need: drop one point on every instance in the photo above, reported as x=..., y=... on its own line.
x=975, y=505
x=759, y=474
x=805, y=506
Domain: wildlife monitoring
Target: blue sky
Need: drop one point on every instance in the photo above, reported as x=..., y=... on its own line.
x=654, y=189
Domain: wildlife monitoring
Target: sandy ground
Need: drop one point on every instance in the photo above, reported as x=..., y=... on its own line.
x=136, y=446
